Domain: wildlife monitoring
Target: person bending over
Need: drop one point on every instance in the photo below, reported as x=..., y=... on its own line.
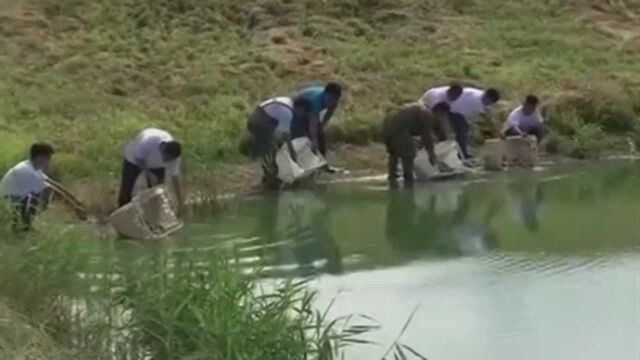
x=321, y=98
x=155, y=153
x=525, y=120
x=447, y=94
x=25, y=186
x=398, y=131
x=472, y=105
x=269, y=126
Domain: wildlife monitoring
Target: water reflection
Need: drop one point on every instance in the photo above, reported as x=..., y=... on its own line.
x=339, y=229
x=482, y=258
x=297, y=225
x=525, y=197
x=438, y=222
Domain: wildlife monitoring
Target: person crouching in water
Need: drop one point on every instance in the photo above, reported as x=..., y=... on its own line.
x=269, y=127
x=156, y=153
x=398, y=131
x=525, y=120
x=25, y=186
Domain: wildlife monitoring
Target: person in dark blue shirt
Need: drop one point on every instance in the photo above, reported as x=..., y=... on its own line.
x=321, y=98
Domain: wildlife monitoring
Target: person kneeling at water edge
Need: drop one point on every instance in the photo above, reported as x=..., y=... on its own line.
x=321, y=98
x=157, y=154
x=525, y=120
x=399, y=129
x=25, y=186
x=270, y=126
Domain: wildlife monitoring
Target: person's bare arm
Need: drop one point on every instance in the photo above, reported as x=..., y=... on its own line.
x=313, y=131
x=328, y=115
x=427, y=142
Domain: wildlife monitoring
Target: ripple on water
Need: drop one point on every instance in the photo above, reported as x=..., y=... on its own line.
x=552, y=264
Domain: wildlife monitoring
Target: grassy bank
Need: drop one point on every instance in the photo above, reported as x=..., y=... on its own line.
x=72, y=293
x=87, y=74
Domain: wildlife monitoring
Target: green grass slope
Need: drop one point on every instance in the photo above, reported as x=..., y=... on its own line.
x=87, y=75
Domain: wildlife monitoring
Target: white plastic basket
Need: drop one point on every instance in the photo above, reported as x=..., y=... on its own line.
x=150, y=215
x=493, y=154
x=447, y=152
x=308, y=163
x=515, y=151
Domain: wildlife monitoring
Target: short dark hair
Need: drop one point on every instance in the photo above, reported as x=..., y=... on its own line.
x=333, y=89
x=40, y=149
x=493, y=95
x=441, y=107
x=532, y=100
x=303, y=103
x=455, y=87
x=172, y=149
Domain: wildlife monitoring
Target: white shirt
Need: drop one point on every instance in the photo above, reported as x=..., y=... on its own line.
x=518, y=119
x=435, y=96
x=22, y=180
x=470, y=104
x=280, y=109
x=146, y=147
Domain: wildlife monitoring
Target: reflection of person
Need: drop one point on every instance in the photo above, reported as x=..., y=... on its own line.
x=527, y=203
x=321, y=98
x=415, y=229
x=25, y=185
x=525, y=120
x=398, y=131
x=156, y=153
x=471, y=105
x=269, y=126
x=304, y=222
x=401, y=220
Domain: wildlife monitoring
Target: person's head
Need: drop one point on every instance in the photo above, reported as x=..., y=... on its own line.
x=40, y=155
x=454, y=91
x=530, y=104
x=333, y=92
x=171, y=150
x=490, y=97
x=301, y=107
x=441, y=111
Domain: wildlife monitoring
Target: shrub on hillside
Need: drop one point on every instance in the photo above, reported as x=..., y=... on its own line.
x=607, y=106
x=589, y=141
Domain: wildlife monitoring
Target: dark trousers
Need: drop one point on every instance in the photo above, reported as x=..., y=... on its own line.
x=401, y=148
x=130, y=173
x=537, y=131
x=460, y=127
x=25, y=209
x=270, y=169
x=264, y=145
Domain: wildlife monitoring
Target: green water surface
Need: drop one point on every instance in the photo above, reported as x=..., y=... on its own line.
x=520, y=265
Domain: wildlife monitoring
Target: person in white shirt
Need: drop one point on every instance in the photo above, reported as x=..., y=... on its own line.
x=446, y=94
x=471, y=106
x=25, y=185
x=525, y=120
x=269, y=126
x=156, y=153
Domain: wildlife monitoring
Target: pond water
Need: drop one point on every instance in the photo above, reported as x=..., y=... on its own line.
x=521, y=265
